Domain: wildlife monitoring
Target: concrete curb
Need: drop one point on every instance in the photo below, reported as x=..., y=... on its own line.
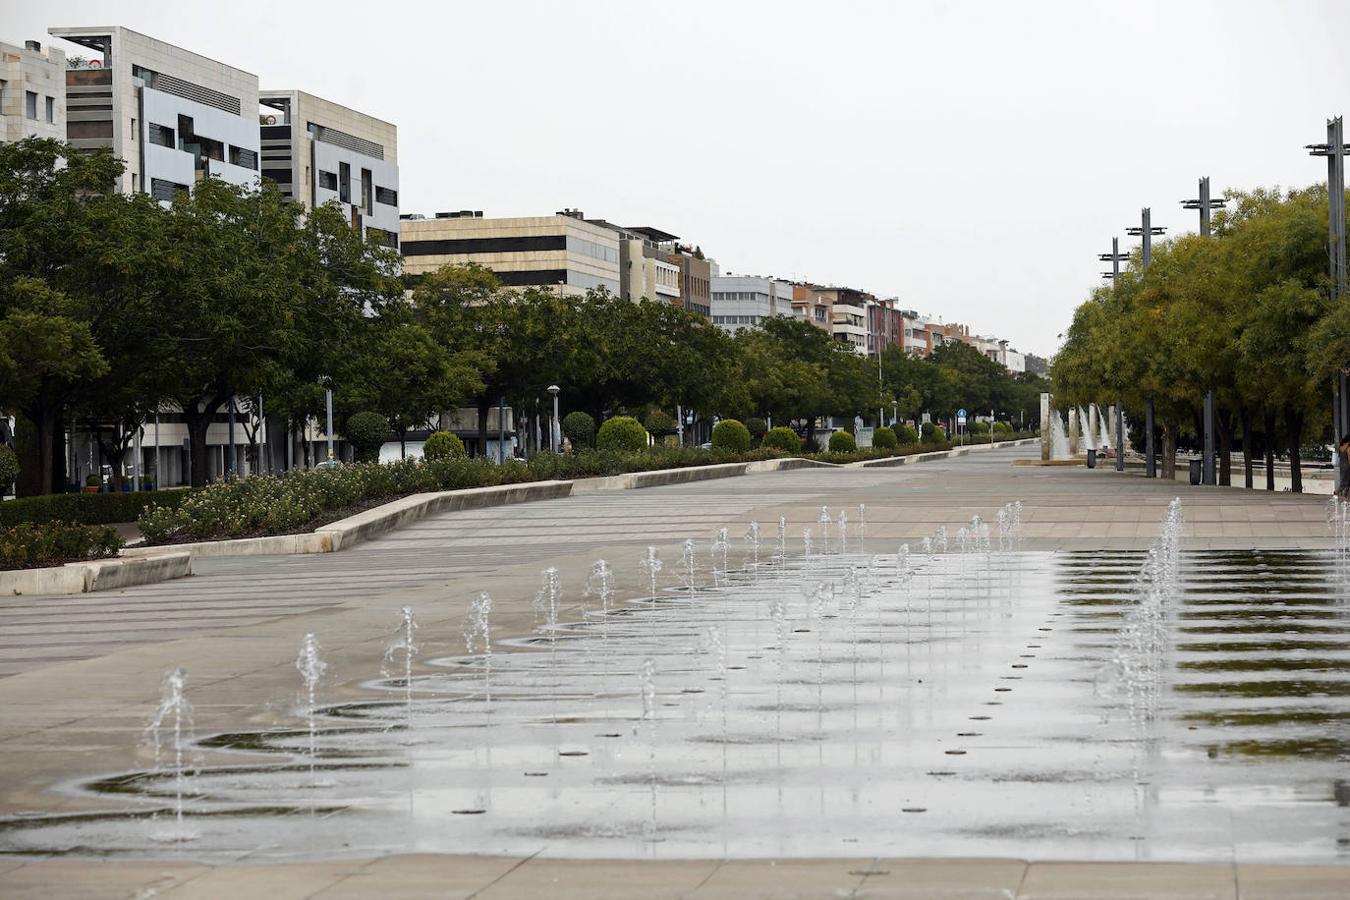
x=939, y=454
x=96, y=575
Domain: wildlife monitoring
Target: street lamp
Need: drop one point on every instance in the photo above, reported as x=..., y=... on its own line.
x=895, y=412
x=556, y=427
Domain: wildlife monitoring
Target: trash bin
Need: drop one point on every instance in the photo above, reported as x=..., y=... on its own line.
x=1196, y=465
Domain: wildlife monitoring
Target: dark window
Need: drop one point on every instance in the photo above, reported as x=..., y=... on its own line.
x=280, y=176
x=30, y=104
x=327, y=180
x=382, y=237
x=162, y=136
x=99, y=128
x=485, y=245
x=367, y=192
x=345, y=182
x=386, y=196
x=275, y=132
x=244, y=158
x=532, y=278
x=51, y=109
x=161, y=189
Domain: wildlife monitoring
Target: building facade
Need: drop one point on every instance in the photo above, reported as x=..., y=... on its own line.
x=745, y=301
x=171, y=115
x=318, y=152
x=561, y=251
x=32, y=92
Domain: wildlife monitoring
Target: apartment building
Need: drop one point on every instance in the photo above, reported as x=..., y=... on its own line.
x=810, y=307
x=562, y=251
x=644, y=273
x=171, y=115
x=32, y=92
x=744, y=301
x=318, y=151
x=843, y=311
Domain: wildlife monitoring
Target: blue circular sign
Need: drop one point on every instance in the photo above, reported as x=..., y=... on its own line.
x=961, y=413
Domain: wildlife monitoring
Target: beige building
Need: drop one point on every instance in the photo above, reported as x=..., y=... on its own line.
x=32, y=92
x=171, y=115
x=561, y=251
x=321, y=152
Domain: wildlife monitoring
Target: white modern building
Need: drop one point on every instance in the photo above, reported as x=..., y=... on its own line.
x=744, y=301
x=32, y=92
x=321, y=152
x=171, y=115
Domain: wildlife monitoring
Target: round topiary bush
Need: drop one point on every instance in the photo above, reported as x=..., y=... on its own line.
x=842, y=442
x=659, y=424
x=905, y=434
x=366, y=432
x=780, y=438
x=757, y=427
x=933, y=434
x=443, y=445
x=979, y=427
x=9, y=467
x=884, y=439
x=731, y=436
x=1002, y=428
x=579, y=428
x=623, y=434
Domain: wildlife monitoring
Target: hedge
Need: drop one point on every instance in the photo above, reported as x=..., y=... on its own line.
x=905, y=434
x=842, y=442
x=884, y=438
x=9, y=468
x=730, y=435
x=579, y=428
x=443, y=445
x=52, y=543
x=781, y=438
x=660, y=423
x=932, y=434
x=621, y=433
x=88, y=509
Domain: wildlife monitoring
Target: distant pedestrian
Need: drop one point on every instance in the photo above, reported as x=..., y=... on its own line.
x=1343, y=467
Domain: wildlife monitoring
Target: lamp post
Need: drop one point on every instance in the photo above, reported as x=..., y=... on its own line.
x=895, y=412
x=555, y=429
x=1146, y=232
x=328, y=400
x=1205, y=204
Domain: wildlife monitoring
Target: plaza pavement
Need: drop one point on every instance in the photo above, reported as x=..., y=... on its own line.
x=80, y=675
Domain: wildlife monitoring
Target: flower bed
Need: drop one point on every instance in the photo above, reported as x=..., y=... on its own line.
x=87, y=509
x=27, y=546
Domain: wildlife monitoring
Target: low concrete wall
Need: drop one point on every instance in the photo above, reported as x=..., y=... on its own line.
x=940, y=454
x=381, y=519
x=95, y=575
x=276, y=545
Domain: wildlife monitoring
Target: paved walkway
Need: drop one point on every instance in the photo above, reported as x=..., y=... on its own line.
x=79, y=675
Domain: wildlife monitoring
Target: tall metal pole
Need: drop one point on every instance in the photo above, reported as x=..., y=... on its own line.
x=1120, y=438
x=1334, y=150
x=1146, y=232
x=1204, y=204
x=328, y=401
x=159, y=476
x=232, y=462
x=501, y=430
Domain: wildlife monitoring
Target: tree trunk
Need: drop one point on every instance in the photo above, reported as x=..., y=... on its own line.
x=811, y=434
x=1293, y=423
x=198, y=420
x=1268, y=440
x=1169, y=452
x=38, y=471
x=402, y=444
x=1244, y=419
x=1224, y=425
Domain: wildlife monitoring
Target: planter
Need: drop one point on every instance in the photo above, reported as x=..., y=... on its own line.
x=91, y=489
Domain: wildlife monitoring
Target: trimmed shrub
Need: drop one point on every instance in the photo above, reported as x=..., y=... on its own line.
x=884, y=439
x=51, y=543
x=932, y=434
x=979, y=427
x=731, y=436
x=9, y=468
x=781, y=438
x=579, y=428
x=366, y=432
x=842, y=442
x=659, y=424
x=757, y=427
x=1002, y=428
x=88, y=509
x=623, y=434
x=443, y=445
x=905, y=434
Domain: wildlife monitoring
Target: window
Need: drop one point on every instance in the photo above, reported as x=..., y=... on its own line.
x=164, y=137
x=327, y=180
x=367, y=192
x=345, y=182
x=51, y=109
x=244, y=158
x=30, y=105
x=164, y=190
x=386, y=196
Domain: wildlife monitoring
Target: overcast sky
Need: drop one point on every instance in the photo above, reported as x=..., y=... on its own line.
x=970, y=158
